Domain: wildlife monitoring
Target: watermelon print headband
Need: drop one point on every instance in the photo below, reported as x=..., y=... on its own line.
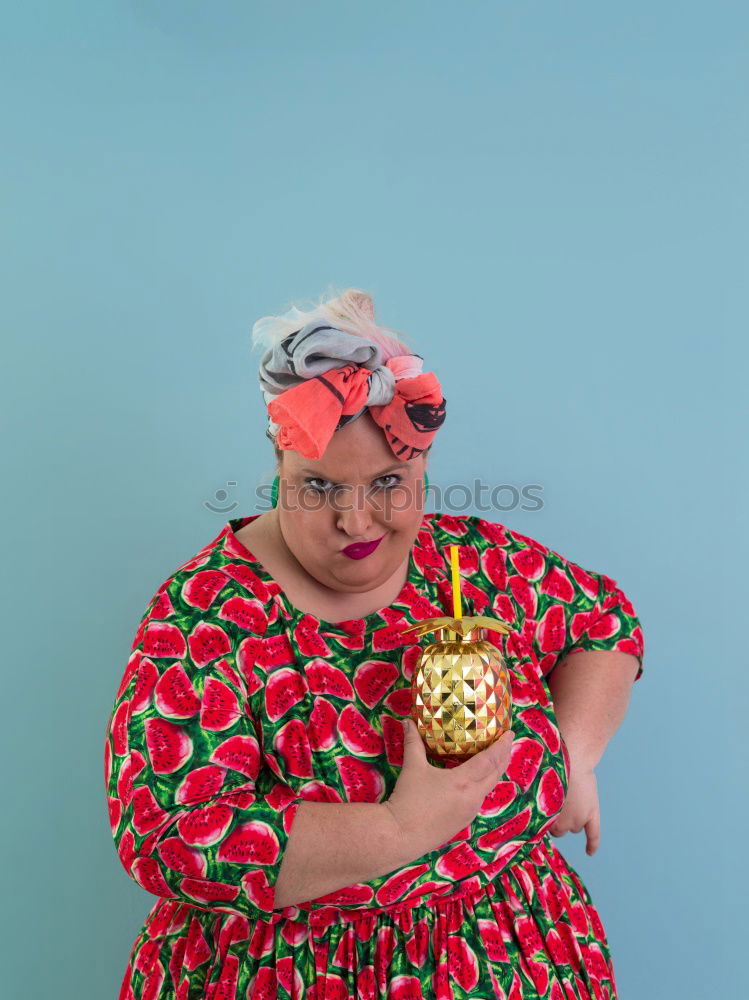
x=319, y=378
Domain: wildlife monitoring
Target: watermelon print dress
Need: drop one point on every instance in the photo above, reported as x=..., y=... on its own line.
x=235, y=707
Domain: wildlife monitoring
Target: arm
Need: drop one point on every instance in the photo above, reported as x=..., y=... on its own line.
x=562, y=608
x=590, y=645
x=334, y=845
x=195, y=813
x=580, y=610
x=591, y=692
x=193, y=816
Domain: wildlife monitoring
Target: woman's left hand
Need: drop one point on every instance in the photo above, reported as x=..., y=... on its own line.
x=580, y=807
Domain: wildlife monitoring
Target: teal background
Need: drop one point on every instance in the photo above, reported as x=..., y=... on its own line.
x=549, y=200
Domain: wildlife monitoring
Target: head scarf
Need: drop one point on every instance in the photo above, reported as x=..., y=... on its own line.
x=319, y=378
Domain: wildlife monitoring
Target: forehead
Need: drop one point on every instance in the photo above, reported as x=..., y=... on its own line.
x=365, y=469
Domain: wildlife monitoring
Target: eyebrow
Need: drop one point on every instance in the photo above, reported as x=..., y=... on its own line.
x=392, y=468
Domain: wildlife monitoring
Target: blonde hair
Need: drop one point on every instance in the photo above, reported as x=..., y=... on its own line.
x=351, y=311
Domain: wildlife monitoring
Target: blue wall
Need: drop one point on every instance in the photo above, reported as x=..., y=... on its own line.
x=549, y=201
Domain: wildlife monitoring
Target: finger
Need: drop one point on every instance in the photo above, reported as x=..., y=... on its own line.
x=593, y=832
x=503, y=752
x=413, y=745
x=481, y=768
x=491, y=762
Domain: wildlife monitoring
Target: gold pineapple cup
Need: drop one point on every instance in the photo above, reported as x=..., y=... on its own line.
x=462, y=701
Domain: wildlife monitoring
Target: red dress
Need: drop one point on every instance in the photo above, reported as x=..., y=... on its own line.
x=235, y=707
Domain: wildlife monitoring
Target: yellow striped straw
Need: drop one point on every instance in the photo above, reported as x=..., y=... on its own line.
x=457, y=613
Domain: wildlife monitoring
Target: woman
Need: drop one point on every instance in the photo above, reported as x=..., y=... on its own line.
x=263, y=778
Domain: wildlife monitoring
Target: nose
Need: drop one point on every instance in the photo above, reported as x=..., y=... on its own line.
x=354, y=514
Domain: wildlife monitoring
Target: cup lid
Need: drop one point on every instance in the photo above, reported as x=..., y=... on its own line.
x=462, y=625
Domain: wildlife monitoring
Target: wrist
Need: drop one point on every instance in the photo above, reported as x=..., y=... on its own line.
x=401, y=839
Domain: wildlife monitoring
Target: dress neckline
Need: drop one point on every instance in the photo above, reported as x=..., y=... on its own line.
x=374, y=618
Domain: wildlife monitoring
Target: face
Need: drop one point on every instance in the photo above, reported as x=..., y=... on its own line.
x=357, y=492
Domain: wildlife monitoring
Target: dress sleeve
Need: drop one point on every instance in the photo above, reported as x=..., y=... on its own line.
x=195, y=814
x=578, y=609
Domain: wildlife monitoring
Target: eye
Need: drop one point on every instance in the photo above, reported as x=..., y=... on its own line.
x=394, y=476
x=315, y=479
x=310, y=480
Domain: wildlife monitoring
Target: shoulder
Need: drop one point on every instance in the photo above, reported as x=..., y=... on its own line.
x=216, y=583
x=468, y=529
x=518, y=555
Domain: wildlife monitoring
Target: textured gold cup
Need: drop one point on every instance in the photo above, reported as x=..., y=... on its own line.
x=461, y=696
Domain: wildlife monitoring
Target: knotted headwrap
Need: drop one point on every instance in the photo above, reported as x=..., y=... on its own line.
x=318, y=378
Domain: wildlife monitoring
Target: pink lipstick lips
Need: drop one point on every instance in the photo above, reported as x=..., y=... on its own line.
x=361, y=549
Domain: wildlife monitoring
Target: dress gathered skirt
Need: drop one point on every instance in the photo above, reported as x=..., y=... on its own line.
x=235, y=707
